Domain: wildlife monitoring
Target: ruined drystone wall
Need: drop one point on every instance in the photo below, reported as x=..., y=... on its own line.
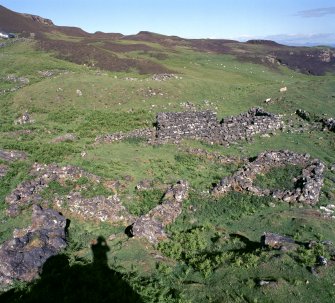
x=29, y=192
x=307, y=185
x=194, y=125
x=151, y=225
x=203, y=125
x=23, y=256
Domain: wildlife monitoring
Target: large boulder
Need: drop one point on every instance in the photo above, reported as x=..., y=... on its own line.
x=22, y=257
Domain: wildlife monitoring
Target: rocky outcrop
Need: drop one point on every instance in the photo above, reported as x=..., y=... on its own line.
x=100, y=208
x=151, y=226
x=277, y=241
x=307, y=185
x=22, y=257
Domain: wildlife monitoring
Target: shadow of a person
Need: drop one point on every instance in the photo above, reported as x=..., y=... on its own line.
x=100, y=250
x=61, y=282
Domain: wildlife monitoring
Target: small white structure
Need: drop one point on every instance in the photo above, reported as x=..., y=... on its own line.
x=4, y=35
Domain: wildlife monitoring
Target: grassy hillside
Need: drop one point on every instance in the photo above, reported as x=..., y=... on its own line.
x=213, y=254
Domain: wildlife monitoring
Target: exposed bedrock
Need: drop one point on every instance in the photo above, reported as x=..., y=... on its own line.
x=23, y=256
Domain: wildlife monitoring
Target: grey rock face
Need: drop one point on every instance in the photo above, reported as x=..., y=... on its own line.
x=151, y=226
x=277, y=241
x=22, y=257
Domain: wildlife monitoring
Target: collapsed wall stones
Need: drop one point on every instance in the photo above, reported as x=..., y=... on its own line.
x=151, y=225
x=173, y=127
x=307, y=185
x=205, y=126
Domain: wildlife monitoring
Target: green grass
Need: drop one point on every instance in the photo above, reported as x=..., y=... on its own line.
x=279, y=178
x=213, y=253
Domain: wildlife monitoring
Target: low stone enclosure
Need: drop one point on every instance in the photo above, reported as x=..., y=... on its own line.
x=203, y=125
x=307, y=186
x=23, y=256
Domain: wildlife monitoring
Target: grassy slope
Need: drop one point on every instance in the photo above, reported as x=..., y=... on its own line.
x=112, y=103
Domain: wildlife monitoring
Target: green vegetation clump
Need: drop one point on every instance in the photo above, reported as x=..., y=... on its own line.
x=279, y=178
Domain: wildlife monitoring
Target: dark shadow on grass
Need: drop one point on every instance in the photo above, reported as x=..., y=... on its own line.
x=250, y=246
x=61, y=282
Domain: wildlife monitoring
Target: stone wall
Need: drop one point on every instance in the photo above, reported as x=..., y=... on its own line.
x=194, y=125
x=307, y=186
x=205, y=126
x=151, y=225
x=202, y=125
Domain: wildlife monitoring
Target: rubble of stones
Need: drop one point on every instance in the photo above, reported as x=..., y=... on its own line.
x=151, y=225
x=307, y=185
x=24, y=119
x=104, y=209
x=215, y=156
x=164, y=77
x=9, y=156
x=329, y=124
x=23, y=256
x=18, y=81
x=173, y=127
x=65, y=138
x=29, y=192
x=12, y=155
x=145, y=133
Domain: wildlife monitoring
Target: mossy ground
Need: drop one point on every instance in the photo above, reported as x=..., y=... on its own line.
x=202, y=261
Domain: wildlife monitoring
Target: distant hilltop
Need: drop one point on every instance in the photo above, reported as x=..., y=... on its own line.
x=106, y=50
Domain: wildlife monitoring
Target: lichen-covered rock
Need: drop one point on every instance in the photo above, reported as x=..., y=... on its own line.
x=307, y=186
x=277, y=241
x=22, y=257
x=151, y=226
